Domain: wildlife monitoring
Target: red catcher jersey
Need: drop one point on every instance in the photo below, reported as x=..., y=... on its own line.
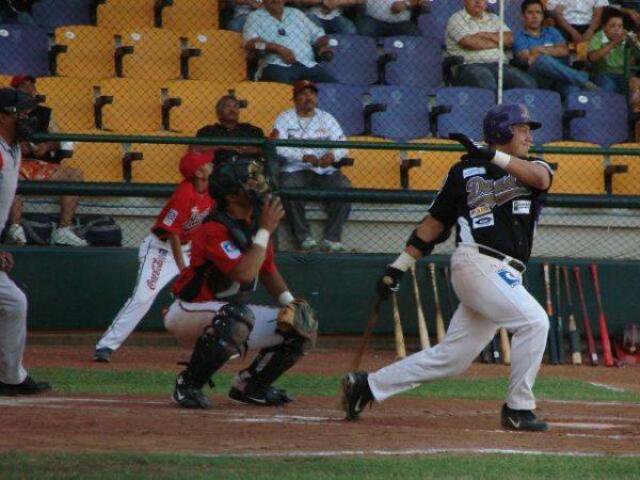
x=213, y=251
x=183, y=213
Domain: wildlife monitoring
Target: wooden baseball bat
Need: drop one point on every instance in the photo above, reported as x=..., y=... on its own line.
x=401, y=352
x=574, y=337
x=607, y=355
x=560, y=332
x=440, y=331
x=553, y=341
x=423, y=333
x=591, y=344
x=505, y=346
x=374, y=314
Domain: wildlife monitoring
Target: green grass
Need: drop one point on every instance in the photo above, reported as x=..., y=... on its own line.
x=147, y=382
x=157, y=466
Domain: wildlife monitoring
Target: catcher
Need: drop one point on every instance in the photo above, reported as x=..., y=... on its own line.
x=230, y=253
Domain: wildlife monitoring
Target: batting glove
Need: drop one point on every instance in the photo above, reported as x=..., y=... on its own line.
x=389, y=282
x=477, y=150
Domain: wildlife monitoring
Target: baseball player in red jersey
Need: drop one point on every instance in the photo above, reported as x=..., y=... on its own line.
x=164, y=252
x=231, y=252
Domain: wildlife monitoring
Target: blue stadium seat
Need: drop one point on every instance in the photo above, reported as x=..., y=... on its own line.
x=344, y=102
x=544, y=106
x=355, y=59
x=605, y=117
x=407, y=113
x=418, y=62
x=512, y=13
x=461, y=109
x=51, y=14
x=24, y=50
x=434, y=24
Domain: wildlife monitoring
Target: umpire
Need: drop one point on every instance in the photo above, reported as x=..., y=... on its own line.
x=493, y=196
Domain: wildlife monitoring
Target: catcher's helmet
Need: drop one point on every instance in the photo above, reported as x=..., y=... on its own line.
x=499, y=120
x=235, y=175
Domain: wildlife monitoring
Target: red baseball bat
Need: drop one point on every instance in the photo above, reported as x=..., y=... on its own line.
x=602, y=319
x=591, y=344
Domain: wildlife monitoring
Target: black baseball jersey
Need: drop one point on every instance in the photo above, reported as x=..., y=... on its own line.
x=490, y=207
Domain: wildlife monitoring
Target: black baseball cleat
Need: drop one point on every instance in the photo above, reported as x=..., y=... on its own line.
x=269, y=397
x=102, y=355
x=188, y=396
x=356, y=394
x=28, y=387
x=522, y=420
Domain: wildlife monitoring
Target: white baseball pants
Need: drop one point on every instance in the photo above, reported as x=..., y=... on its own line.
x=157, y=268
x=13, y=331
x=186, y=322
x=491, y=296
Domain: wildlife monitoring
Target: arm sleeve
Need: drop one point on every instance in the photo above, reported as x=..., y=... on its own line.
x=176, y=212
x=595, y=43
x=456, y=29
x=337, y=135
x=520, y=42
x=220, y=249
x=601, y=3
x=251, y=28
x=557, y=37
x=444, y=206
x=290, y=153
x=315, y=32
x=551, y=4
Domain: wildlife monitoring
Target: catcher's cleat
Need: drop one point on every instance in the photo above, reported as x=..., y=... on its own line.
x=188, y=396
x=521, y=420
x=28, y=387
x=102, y=355
x=269, y=397
x=356, y=394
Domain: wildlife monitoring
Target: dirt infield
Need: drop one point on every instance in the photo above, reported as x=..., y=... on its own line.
x=310, y=426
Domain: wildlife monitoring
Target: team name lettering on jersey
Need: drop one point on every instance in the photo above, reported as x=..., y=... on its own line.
x=196, y=219
x=493, y=192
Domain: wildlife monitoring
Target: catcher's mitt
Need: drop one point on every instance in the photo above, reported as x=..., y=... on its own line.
x=298, y=316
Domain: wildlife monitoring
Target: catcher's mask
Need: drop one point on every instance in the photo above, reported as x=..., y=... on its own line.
x=239, y=174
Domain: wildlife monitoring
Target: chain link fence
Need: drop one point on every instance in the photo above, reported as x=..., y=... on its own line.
x=390, y=73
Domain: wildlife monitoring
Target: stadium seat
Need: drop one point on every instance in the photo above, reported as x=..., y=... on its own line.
x=159, y=163
x=5, y=80
x=605, y=117
x=407, y=112
x=627, y=183
x=122, y=15
x=222, y=56
x=136, y=106
x=434, y=23
x=344, y=102
x=544, y=106
x=461, y=109
x=355, y=59
x=188, y=15
x=89, y=52
x=266, y=101
x=433, y=167
x=418, y=62
x=578, y=174
x=99, y=162
x=198, y=100
x=512, y=13
x=373, y=168
x=71, y=100
x=156, y=54
x=24, y=50
x=51, y=14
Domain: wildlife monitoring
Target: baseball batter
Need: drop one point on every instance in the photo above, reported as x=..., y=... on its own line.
x=165, y=251
x=231, y=252
x=14, y=126
x=493, y=197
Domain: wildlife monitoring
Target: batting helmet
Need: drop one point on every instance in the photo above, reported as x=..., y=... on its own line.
x=233, y=175
x=499, y=120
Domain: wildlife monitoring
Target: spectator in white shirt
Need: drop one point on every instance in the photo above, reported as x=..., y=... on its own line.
x=328, y=14
x=290, y=41
x=388, y=18
x=578, y=20
x=311, y=167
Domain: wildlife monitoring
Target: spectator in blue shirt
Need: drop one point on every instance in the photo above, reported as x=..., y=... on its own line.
x=547, y=53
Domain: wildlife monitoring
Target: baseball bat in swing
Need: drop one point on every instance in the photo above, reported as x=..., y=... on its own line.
x=422, y=323
x=440, y=331
x=401, y=352
x=591, y=344
x=374, y=314
x=560, y=331
x=607, y=355
x=574, y=337
x=553, y=341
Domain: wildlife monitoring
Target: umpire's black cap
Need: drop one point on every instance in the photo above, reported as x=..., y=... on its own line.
x=14, y=101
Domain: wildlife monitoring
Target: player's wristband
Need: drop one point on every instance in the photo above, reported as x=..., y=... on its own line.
x=285, y=298
x=262, y=238
x=501, y=159
x=404, y=262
